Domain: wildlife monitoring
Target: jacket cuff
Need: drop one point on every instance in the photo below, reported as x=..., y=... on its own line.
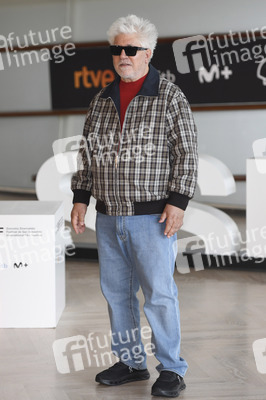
x=81, y=196
x=178, y=200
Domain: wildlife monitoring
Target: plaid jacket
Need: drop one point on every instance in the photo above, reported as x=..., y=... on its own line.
x=153, y=161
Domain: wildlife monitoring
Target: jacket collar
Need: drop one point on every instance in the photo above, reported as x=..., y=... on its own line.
x=150, y=86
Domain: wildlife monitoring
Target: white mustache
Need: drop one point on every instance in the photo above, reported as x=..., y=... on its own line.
x=124, y=63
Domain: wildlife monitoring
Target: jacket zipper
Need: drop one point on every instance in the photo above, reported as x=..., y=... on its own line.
x=121, y=131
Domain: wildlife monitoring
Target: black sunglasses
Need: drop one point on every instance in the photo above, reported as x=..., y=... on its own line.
x=129, y=50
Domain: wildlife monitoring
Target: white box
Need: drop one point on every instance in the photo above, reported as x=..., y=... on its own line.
x=256, y=216
x=32, y=264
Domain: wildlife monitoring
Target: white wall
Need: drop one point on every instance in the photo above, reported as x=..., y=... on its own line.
x=172, y=17
x=225, y=134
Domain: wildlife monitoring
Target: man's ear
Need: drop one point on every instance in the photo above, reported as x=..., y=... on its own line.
x=148, y=56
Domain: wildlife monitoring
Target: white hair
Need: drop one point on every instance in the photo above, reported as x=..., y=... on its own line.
x=146, y=31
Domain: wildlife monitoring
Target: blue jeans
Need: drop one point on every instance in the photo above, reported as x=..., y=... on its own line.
x=133, y=253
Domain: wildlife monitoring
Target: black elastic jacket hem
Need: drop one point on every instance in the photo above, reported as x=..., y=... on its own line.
x=178, y=200
x=81, y=196
x=140, y=208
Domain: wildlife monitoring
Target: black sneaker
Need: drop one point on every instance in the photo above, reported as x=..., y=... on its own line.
x=120, y=373
x=169, y=384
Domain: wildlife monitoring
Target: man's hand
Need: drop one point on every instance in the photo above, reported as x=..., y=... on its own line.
x=174, y=219
x=77, y=217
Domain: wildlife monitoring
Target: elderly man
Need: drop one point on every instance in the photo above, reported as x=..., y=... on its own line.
x=140, y=163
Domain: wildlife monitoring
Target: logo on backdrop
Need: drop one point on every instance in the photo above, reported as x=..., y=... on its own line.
x=209, y=69
x=223, y=68
x=90, y=78
x=80, y=78
x=261, y=71
x=20, y=265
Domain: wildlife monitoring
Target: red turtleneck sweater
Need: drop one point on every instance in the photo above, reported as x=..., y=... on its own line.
x=128, y=90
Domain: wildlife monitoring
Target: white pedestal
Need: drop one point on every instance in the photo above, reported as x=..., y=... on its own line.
x=32, y=264
x=256, y=200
